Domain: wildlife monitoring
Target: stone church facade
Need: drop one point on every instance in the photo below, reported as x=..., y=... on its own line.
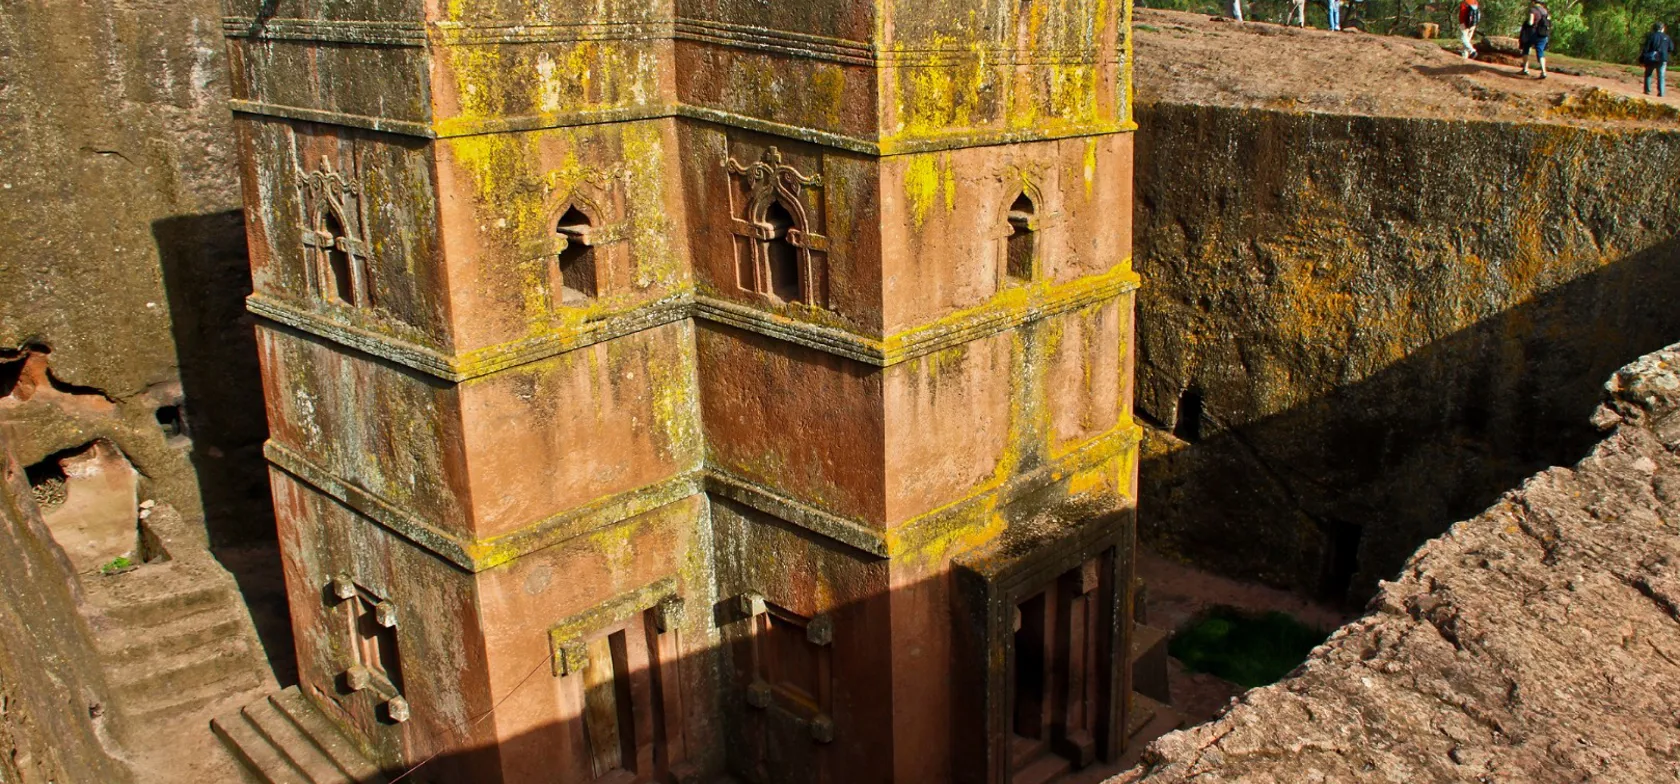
x=659, y=390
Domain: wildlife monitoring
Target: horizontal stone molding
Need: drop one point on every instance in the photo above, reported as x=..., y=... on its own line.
x=410, y=34
x=908, y=536
x=725, y=484
x=738, y=36
x=1005, y=312
x=479, y=362
x=445, y=128
x=470, y=553
x=815, y=47
x=420, y=34
x=327, y=117
x=466, y=34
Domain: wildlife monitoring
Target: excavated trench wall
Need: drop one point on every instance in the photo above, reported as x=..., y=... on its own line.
x=1356, y=330
x=122, y=253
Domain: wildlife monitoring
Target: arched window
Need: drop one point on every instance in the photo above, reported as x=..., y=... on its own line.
x=781, y=254
x=576, y=260
x=1021, y=246
x=339, y=264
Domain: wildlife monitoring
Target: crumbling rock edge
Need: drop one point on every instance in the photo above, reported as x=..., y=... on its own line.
x=1537, y=642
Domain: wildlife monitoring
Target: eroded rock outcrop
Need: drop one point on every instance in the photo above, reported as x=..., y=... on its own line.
x=1538, y=642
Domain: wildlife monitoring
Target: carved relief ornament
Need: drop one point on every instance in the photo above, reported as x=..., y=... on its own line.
x=769, y=182
x=327, y=194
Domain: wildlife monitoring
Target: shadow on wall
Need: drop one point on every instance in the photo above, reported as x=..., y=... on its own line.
x=1334, y=494
x=207, y=275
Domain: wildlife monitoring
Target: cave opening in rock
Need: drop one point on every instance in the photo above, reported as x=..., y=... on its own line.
x=1341, y=559
x=1187, y=426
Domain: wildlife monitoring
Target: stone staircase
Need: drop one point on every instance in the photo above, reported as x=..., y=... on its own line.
x=174, y=635
x=283, y=739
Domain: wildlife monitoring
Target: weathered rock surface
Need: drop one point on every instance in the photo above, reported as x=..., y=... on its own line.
x=1373, y=301
x=58, y=721
x=1538, y=642
x=122, y=248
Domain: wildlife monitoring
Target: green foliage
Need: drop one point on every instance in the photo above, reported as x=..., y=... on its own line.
x=1608, y=30
x=117, y=564
x=1248, y=650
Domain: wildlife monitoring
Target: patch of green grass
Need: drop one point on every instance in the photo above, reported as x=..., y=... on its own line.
x=1147, y=28
x=1246, y=649
x=117, y=564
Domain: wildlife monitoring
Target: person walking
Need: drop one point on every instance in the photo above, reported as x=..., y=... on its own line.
x=1236, y=10
x=1297, y=13
x=1469, y=15
x=1536, y=33
x=1334, y=9
x=1654, y=56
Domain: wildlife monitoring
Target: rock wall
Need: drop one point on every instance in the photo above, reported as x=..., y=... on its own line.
x=1354, y=330
x=51, y=728
x=122, y=251
x=1537, y=642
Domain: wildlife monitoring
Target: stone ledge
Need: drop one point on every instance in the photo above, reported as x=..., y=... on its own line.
x=446, y=128
x=1008, y=310
x=476, y=555
x=479, y=362
x=469, y=553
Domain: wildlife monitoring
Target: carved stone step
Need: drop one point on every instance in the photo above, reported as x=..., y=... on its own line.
x=283, y=738
x=293, y=744
x=1042, y=770
x=150, y=682
x=128, y=645
x=1149, y=662
x=158, y=594
x=1149, y=720
x=259, y=756
x=291, y=703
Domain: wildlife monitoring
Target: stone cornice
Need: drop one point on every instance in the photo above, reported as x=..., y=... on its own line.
x=847, y=52
x=447, y=128
x=844, y=51
x=1006, y=311
x=472, y=554
x=478, y=362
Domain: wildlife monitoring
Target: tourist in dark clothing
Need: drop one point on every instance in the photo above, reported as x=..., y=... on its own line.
x=1654, y=56
x=1536, y=33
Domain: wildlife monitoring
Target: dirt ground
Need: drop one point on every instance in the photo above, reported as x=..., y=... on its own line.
x=1194, y=58
x=1176, y=594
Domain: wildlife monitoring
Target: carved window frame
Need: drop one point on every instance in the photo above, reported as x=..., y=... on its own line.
x=770, y=182
x=601, y=235
x=1038, y=222
x=351, y=602
x=326, y=193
